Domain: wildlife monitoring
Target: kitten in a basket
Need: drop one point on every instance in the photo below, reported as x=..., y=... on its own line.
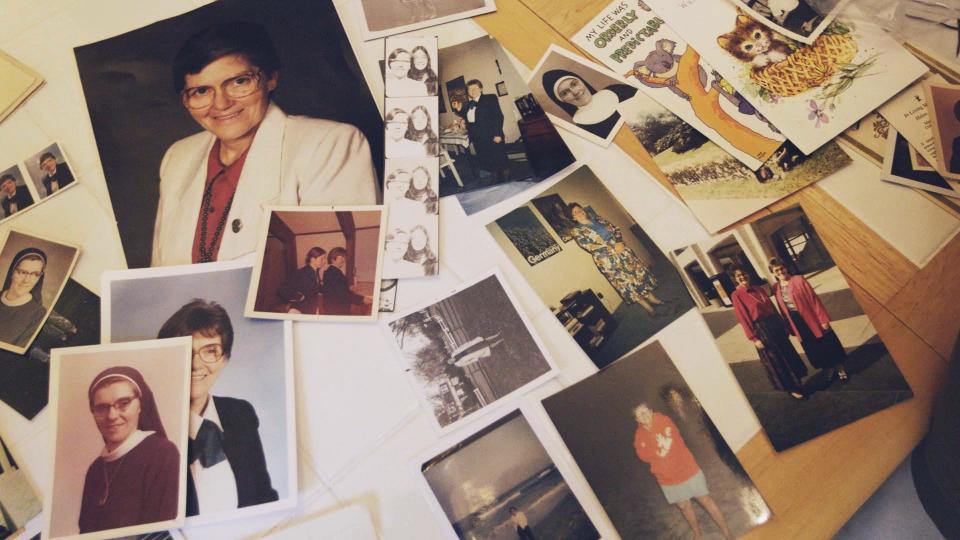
x=754, y=43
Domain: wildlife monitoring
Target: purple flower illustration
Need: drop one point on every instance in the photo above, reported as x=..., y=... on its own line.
x=816, y=113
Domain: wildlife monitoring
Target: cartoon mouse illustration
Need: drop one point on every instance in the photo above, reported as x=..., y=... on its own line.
x=659, y=69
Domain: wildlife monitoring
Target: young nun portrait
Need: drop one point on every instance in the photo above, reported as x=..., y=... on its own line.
x=597, y=112
x=136, y=478
x=227, y=467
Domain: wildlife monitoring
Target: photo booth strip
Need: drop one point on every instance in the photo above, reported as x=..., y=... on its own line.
x=33, y=184
x=412, y=183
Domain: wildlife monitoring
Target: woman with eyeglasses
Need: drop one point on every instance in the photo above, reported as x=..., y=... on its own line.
x=21, y=306
x=213, y=184
x=136, y=478
x=226, y=464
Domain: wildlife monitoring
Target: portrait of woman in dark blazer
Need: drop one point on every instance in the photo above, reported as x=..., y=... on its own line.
x=338, y=297
x=808, y=321
x=227, y=467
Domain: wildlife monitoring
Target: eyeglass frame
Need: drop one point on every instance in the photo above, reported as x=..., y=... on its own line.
x=35, y=275
x=255, y=73
x=101, y=412
x=199, y=353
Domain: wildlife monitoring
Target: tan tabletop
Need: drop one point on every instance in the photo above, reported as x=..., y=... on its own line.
x=813, y=488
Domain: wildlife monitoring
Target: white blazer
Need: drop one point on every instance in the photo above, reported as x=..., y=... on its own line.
x=294, y=160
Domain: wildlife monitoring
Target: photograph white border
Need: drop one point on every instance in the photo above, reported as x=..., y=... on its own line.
x=499, y=403
x=566, y=124
x=368, y=35
x=56, y=360
x=568, y=470
x=806, y=40
x=290, y=501
x=249, y=310
x=73, y=263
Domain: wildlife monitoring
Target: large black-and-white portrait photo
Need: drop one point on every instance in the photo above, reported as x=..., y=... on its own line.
x=201, y=118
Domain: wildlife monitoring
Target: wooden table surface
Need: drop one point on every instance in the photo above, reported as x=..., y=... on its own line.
x=814, y=488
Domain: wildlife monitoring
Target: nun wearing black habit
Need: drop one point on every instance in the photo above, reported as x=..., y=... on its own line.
x=21, y=309
x=589, y=109
x=136, y=478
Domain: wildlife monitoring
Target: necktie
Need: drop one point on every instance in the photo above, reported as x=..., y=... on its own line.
x=208, y=446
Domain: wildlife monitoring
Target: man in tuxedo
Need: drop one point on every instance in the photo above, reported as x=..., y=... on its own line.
x=337, y=295
x=485, y=126
x=13, y=198
x=227, y=468
x=56, y=176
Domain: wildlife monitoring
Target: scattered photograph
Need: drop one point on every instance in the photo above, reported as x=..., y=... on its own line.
x=663, y=470
x=411, y=186
x=118, y=438
x=388, y=295
x=811, y=93
x=500, y=483
x=20, y=82
x=469, y=350
x=411, y=66
x=411, y=127
x=14, y=193
x=802, y=20
x=944, y=102
x=316, y=264
x=902, y=165
x=717, y=188
x=242, y=427
x=153, y=93
x=786, y=321
x=387, y=17
x=411, y=246
x=19, y=502
x=493, y=145
x=578, y=96
x=49, y=171
x=37, y=270
x=74, y=321
x=614, y=289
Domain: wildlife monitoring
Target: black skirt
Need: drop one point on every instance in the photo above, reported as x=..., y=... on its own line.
x=784, y=367
x=823, y=352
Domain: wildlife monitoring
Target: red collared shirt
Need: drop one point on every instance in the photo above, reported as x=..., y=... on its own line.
x=223, y=181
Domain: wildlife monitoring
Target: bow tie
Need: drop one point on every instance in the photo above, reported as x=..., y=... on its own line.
x=208, y=446
x=471, y=105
